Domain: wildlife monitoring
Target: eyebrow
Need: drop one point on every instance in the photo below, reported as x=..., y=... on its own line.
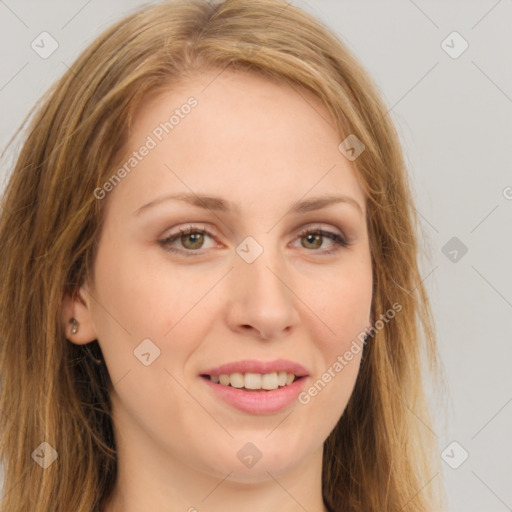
x=221, y=205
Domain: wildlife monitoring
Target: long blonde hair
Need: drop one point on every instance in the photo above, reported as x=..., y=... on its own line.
x=382, y=454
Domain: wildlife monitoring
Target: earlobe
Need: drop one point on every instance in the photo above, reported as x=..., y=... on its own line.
x=76, y=317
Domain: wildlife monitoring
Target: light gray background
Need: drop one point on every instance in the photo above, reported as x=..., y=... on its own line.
x=454, y=117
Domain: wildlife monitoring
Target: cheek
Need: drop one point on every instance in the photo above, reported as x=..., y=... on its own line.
x=139, y=301
x=342, y=307
x=143, y=299
x=342, y=312
x=345, y=310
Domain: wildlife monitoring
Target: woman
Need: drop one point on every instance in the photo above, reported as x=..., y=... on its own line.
x=211, y=295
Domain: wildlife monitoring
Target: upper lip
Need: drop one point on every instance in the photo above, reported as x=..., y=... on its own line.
x=254, y=366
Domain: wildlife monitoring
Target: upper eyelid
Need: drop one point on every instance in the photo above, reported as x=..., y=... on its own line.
x=203, y=228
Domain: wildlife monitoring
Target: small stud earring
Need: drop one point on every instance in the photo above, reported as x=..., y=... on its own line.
x=74, y=328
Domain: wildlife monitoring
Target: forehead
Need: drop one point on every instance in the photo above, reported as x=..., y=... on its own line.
x=247, y=136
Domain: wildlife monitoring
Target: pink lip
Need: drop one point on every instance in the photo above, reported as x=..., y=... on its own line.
x=257, y=402
x=253, y=366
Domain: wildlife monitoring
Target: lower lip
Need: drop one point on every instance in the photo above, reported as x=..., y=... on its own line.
x=257, y=402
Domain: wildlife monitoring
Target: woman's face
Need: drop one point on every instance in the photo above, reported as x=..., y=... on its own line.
x=261, y=290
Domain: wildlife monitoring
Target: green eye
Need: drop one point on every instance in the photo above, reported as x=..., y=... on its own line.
x=196, y=240
x=192, y=240
x=315, y=237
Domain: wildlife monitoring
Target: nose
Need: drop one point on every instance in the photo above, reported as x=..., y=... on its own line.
x=261, y=297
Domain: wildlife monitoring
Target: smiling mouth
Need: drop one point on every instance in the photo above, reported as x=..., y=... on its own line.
x=254, y=381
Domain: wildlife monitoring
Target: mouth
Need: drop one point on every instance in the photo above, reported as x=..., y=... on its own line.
x=256, y=387
x=254, y=381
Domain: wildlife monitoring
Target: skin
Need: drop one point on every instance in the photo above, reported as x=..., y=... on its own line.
x=262, y=146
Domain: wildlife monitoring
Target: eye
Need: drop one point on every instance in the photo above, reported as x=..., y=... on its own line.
x=315, y=238
x=191, y=239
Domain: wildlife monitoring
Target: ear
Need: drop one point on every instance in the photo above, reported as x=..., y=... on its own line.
x=77, y=306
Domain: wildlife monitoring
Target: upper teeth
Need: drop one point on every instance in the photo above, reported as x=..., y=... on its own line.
x=254, y=380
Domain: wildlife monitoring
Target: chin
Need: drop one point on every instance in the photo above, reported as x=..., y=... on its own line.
x=253, y=461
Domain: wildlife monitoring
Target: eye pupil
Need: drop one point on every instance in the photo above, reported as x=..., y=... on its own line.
x=312, y=238
x=197, y=237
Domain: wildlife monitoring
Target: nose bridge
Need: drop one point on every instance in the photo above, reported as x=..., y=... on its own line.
x=261, y=287
x=259, y=265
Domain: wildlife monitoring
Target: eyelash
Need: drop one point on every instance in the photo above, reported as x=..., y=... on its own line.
x=337, y=239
